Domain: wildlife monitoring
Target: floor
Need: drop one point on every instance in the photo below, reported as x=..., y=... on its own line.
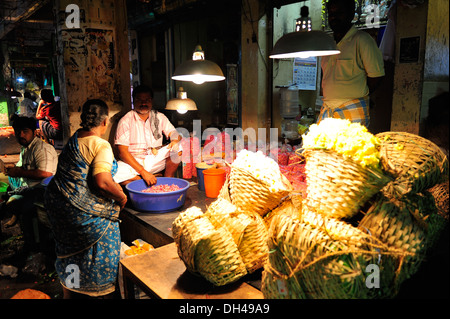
x=34, y=269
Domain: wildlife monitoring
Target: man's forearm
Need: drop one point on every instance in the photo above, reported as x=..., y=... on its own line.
x=32, y=173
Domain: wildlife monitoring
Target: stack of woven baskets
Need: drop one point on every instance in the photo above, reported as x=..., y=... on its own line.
x=408, y=213
x=230, y=239
x=374, y=207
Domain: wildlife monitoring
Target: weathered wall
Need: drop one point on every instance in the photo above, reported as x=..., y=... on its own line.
x=408, y=76
x=255, y=111
x=437, y=52
x=93, y=59
x=415, y=83
x=436, y=67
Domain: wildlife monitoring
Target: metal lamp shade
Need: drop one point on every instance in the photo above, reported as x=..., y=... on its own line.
x=303, y=44
x=181, y=105
x=198, y=71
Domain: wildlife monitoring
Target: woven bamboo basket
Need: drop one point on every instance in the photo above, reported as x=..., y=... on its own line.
x=186, y=238
x=253, y=246
x=225, y=191
x=322, y=258
x=253, y=195
x=440, y=192
x=275, y=285
x=338, y=187
x=206, y=250
x=288, y=207
x=222, y=213
x=411, y=224
x=248, y=231
x=218, y=259
x=415, y=162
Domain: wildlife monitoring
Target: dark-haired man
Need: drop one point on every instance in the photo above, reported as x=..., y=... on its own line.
x=139, y=139
x=37, y=161
x=351, y=76
x=49, y=115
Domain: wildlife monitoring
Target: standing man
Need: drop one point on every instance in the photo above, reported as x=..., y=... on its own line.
x=351, y=76
x=38, y=160
x=139, y=139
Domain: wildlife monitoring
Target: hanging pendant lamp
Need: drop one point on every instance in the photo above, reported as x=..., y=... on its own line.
x=181, y=103
x=198, y=70
x=304, y=42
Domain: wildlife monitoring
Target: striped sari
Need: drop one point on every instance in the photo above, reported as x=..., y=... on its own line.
x=85, y=226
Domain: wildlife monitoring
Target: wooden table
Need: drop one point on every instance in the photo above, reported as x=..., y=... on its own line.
x=160, y=273
x=156, y=228
x=8, y=161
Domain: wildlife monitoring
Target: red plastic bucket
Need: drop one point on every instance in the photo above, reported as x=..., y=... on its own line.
x=214, y=179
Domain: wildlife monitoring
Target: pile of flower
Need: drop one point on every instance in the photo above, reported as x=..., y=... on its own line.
x=261, y=167
x=351, y=140
x=163, y=188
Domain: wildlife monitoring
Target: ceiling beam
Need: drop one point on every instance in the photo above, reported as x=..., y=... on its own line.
x=27, y=10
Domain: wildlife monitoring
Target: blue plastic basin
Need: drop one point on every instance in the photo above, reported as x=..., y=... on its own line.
x=158, y=202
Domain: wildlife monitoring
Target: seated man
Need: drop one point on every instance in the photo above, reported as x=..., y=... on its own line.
x=49, y=115
x=139, y=142
x=38, y=160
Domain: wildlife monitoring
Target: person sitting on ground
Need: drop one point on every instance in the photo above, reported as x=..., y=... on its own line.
x=139, y=139
x=49, y=115
x=37, y=161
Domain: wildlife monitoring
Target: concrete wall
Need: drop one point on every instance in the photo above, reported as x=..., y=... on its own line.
x=416, y=82
x=436, y=67
x=255, y=108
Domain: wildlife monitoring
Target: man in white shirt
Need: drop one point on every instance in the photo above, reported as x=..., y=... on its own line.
x=139, y=139
x=351, y=76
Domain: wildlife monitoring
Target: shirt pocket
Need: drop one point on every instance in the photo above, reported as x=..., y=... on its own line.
x=344, y=69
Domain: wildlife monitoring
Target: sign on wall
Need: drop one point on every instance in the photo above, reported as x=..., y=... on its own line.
x=305, y=73
x=232, y=95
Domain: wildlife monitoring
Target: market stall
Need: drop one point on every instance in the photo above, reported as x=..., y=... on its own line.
x=372, y=204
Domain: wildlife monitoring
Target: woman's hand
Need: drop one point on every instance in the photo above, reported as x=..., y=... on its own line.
x=110, y=189
x=123, y=201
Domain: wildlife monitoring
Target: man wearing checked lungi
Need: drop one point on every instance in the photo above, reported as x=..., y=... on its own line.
x=349, y=77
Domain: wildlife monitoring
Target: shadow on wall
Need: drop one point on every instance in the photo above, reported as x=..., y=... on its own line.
x=114, y=120
x=436, y=126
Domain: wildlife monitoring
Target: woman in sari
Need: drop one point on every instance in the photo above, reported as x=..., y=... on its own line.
x=83, y=204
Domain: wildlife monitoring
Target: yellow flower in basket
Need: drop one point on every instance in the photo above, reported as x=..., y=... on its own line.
x=342, y=168
x=351, y=140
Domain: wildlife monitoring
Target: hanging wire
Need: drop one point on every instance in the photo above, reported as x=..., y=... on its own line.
x=254, y=36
